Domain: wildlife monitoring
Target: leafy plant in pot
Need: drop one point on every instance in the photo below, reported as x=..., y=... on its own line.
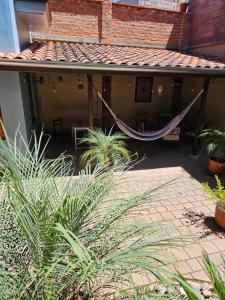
x=183, y=5
x=217, y=194
x=214, y=141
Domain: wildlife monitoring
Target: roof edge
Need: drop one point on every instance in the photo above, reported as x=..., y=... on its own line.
x=33, y=66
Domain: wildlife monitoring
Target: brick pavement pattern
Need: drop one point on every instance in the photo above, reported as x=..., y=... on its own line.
x=182, y=205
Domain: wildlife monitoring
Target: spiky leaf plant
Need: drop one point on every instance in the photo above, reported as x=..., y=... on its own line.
x=69, y=238
x=105, y=148
x=214, y=141
x=214, y=275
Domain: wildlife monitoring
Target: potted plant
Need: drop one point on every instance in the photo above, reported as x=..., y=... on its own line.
x=217, y=194
x=183, y=5
x=214, y=140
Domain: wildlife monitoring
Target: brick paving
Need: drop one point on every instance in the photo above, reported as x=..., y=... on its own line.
x=182, y=205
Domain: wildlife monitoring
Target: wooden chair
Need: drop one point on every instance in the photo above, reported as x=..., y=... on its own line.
x=57, y=126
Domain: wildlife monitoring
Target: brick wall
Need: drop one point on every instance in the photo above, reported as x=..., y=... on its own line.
x=115, y=23
x=208, y=23
x=147, y=26
x=75, y=18
x=163, y=4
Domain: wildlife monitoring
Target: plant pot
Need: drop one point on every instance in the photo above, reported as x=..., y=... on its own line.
x=215, y=167
x=183, y=7
x=220, y=217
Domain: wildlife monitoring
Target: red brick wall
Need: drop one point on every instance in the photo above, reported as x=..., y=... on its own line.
x=208, y=23
x=102, y=21
x=147, y=26
x=75, y=18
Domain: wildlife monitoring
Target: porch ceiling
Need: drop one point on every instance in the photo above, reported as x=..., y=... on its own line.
x=55, y=55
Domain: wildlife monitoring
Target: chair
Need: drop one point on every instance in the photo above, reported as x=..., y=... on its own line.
x=57, y=126
x=141, y=121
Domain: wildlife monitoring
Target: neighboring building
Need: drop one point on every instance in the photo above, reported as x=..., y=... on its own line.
x=162, y=4
x=47, y=49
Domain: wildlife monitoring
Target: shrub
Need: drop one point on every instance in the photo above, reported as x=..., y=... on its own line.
x=69, y=238
x=105, y=149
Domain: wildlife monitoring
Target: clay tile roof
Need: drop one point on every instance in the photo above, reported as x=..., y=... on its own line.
x=86, y=53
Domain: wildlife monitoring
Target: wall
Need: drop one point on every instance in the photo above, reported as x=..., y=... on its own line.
x=9, y=41
x=143, y=26
x=80, y=19
x=208, y=24
x=12, y=105
x=124, y=105
x=116, y=23
x=68, y=101
x=71, y=104
x=14, y=95
x=215, y=108
x=163, y=4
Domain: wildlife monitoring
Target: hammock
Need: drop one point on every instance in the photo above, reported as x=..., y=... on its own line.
x=151, y=135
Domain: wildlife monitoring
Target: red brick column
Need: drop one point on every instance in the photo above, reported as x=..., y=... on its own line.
x=106, y=22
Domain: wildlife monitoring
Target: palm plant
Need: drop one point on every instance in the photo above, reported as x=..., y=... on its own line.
x=214, y=140
x=105, y=149
x=70, y=238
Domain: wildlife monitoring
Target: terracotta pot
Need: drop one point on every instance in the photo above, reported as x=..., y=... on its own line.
x=215, y=167
x=220, y=217
x=183, y=7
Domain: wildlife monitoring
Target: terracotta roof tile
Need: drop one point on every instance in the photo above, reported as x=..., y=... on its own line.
x=86, y=53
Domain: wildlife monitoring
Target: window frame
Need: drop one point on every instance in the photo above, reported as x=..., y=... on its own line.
x=149, y=97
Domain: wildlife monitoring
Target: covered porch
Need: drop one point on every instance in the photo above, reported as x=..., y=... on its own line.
x=145, y=87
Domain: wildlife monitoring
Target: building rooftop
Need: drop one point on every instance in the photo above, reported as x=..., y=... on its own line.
x=87, y=53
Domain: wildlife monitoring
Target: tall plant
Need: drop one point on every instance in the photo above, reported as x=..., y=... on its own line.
x=66, y=238
x=105, y=149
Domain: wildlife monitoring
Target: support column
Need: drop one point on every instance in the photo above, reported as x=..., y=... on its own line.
x=106, y=22
x=200, y=116
x=176, y=100
x=106, y=93
x=90, y=102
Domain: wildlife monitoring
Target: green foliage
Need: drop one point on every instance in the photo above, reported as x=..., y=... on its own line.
x=105, y=149
x=214, y=141
x=217, y=193
x=67, y=238
x=191, y=295
x=215, y=276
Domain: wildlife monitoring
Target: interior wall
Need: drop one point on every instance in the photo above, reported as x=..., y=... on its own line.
x=63, y=99
x=71, y=103
x=123, y=99
x=215, y=108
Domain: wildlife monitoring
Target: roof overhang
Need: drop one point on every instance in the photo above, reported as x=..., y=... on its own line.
x=39, y=66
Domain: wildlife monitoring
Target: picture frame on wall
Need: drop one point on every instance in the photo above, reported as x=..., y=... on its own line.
x=143, y=91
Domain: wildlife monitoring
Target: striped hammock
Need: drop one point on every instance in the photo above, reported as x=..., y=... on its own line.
x=151, y=135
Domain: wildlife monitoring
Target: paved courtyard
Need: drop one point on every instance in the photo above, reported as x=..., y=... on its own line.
x=182, y=205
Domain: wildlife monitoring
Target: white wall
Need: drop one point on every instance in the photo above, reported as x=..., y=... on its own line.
x=11, y=103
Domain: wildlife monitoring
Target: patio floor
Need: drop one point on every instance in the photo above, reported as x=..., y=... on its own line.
x=181, y=204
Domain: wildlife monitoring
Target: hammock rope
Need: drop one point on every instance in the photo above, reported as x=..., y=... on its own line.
x=151, y=135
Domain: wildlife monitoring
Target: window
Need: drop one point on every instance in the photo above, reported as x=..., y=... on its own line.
x=143, y=89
